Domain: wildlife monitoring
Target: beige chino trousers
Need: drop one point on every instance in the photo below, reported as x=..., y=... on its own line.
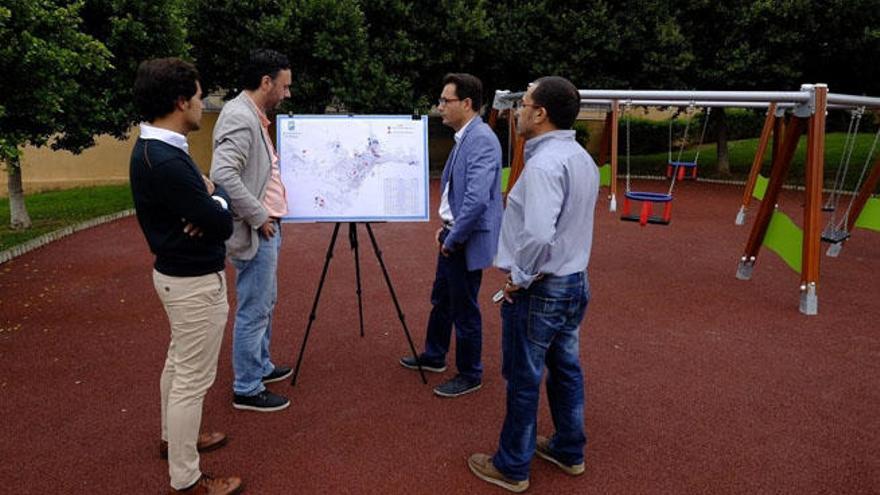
x=197, y=309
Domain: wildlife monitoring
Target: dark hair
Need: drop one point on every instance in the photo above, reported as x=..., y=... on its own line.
x=160, y=83
x=262, y=62
x=560, y=98
x=466, y=86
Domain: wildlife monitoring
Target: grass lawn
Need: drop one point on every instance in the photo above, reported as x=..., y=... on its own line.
x=743, y=152
x=54, y=210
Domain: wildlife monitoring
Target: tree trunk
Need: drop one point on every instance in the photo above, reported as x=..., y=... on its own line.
x=721, y=144
x=18, y=215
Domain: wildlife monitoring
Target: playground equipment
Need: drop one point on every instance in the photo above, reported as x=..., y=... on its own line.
x=838, y=228
x=806, y=107
x=679, y=168
x=837, y=231
x=675, y=170
x=648, y=200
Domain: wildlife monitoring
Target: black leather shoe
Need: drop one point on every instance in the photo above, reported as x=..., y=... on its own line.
x=413, y=364
x=264, y=401
x=278, y=374
x=458, y=386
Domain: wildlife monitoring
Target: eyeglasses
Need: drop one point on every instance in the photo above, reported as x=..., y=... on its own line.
x=442, y=101
x=518, y=104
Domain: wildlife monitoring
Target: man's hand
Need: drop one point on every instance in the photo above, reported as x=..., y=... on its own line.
x=267, y=230
x=509, y=288
x=443, y=249
x=209, y=185
x=190, y=229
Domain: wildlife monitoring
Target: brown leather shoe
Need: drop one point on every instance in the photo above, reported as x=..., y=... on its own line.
x=542, y=450
x=206, y=443
x=212, y=486
x=482, y=467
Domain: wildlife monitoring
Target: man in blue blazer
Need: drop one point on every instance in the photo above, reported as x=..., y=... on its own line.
x=470, y=211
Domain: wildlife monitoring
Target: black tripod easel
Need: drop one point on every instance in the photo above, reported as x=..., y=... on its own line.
x=353, y=241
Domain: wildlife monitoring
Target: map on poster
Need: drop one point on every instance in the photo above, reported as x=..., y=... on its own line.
x=341, y=168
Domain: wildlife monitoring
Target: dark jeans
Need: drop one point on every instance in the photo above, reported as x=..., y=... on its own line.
x=454, y=300
x=541, y=327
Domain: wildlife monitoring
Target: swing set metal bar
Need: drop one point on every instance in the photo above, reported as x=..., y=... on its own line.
x=602, y=99
x=605, y=105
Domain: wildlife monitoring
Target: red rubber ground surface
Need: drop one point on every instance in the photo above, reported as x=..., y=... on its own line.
x=696, y=382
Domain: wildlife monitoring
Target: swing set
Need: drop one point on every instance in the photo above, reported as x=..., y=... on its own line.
x=838, y=228
x=675, y=170
x=805, y=109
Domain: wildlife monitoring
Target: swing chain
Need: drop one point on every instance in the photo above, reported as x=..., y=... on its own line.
x=627, y=107
x=843, y=166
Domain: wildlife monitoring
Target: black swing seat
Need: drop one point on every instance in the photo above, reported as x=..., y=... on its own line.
x=835, y=236
x=652, y=219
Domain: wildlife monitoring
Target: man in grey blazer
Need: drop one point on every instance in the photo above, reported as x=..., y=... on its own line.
x=246, y=165
x=470, y=212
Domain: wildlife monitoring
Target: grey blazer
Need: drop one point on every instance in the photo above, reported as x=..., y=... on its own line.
x=241, y=164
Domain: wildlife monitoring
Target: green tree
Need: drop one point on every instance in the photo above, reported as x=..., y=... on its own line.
x=413, y=44
x=324, y=39
x=133, y=31
x=71, y=65
x=328, y=55
x=743, y=45
x=223, y=32
x=596, y=44
x=842, y=41
x=393, y=58
x=44, y=59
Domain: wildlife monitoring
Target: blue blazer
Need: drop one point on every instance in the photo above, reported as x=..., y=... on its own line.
x=473, y=172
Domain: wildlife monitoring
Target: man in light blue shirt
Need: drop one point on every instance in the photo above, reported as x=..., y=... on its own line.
x=546, y=236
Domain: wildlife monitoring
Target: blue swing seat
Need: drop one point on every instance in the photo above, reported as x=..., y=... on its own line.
x=679, y=168
x=645, y=215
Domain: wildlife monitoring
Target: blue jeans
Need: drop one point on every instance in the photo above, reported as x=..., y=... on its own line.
x=454, y=300
x=541, y=327
x=256, y=288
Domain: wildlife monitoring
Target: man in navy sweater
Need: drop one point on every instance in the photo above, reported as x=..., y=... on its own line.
x=185, y=219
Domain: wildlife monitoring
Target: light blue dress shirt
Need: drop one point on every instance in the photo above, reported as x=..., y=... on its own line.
x=548, y=223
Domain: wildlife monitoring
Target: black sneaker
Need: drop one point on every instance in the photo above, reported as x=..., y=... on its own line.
x=278, y=374
x=412, y=363
x=459, y=385
x=264, y=401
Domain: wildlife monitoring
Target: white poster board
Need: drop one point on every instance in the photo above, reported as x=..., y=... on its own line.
x=361, y=168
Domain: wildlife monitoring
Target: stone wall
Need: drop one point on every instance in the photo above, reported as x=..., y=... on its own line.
x=105, y=163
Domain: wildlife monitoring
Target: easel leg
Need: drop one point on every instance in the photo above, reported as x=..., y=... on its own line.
x=353, y=241
x=302, y=349
x=400, y=315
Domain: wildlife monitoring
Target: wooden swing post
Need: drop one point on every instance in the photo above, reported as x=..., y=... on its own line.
x=517, y=162
x=605, y=140
x=780, y=167
x=813, y=202
x=766, y=132
x=864, y=194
